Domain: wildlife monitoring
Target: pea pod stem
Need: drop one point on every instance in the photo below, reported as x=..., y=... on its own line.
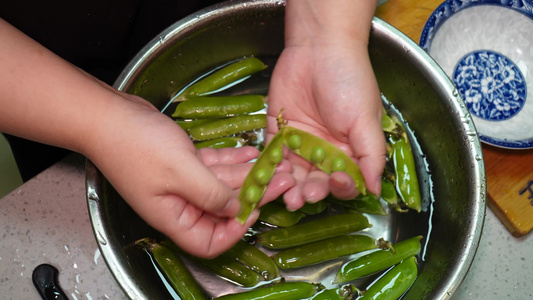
x=344, y=292
x=222, y=77
x=325, y=250
x=280, y=291
x=378, y=260
x=174, y=270
x=394, y=283
x=312, y=231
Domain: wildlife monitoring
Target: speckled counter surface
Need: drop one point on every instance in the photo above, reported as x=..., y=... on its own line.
x=46, y=221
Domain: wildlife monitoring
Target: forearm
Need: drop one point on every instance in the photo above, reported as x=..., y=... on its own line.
x=43, y=97
x=312, y=22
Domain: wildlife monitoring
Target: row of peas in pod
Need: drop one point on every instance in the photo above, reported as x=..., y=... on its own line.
x=288, y=242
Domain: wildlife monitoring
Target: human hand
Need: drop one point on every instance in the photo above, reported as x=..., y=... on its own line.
x=330, y=90
x=187, y=194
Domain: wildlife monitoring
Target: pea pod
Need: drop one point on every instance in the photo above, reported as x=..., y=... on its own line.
x=177, y=274
x=222, y=77
x=227, y=127
x=326, y=156
x=344, y=292
x=387, y=123
x=368, y=203
x=312, y=231
x=229, y=268
x=255, y=259
x=255, y=183
x=223, y=142
x=324, y=250
x=388, y=192
x=394, y=283
x=218, y=107
x=405, y=171
x=277, y=214
x=314, y=208
x=188, y=124
x=280, y=291
x=378, y=260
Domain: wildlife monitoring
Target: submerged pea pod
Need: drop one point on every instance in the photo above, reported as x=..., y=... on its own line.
x=229, y=268
x=277, y=214
x=255, y=259
x=227, y=127
x=218, y=107
x=324, y=250
x=378, y=260
x=174, y=270
x=394, y=283
x=405, y=172
x=223, y=142
x=281, y=291
x=344, y=292
x=222, y=77
x=312, y=231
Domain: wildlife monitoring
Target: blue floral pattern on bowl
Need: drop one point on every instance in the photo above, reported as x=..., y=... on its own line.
x=491, y=85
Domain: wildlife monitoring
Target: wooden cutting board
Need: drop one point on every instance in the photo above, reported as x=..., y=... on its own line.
x=509, y=172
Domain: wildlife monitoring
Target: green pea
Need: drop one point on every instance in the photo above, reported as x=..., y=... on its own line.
x=324, y=250
x=276, y=155
x=218, y=107
x=255, y=259
x=223, y=142
x=253, y=194
x=378, y=260
x=222, y=77
x=318, y=154
x=174, y=270
x=263, y=176
x=406, y=177
x=312, y=231
x=277, y=214
x=227, y=127
x=394, y=283
x=294, y=141
x=338, y=165
x=281, y=291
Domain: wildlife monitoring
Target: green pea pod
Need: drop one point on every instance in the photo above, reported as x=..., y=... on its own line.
x=223, y=77
x=227, y=127
x=388, y=192
x=312, y=231
x=255, y=183
x=188, y=124
x=368, y=203
x=405, y=171
x=378, y=260
x=328, y=249
x=387, y=123
x=394, y=283
x=344, y=292
x=218, y=107
x=277, y=214
x=314, y=208
x=223, y=142
x=255, y=259
x=280, y=291
x=326, y=156
x=230, y=269
x=177, y=274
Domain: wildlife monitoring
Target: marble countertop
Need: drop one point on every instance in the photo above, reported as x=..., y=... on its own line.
x=46, y=221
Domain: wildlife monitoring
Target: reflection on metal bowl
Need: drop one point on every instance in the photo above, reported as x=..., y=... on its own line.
x=407, y=77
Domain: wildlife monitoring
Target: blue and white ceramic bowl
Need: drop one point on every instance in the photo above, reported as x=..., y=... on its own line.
x=486, y=47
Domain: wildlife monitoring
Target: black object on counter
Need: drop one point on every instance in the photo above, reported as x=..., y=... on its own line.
x=44, y=278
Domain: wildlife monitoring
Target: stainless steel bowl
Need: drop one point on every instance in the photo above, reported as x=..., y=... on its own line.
x=407, y=76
